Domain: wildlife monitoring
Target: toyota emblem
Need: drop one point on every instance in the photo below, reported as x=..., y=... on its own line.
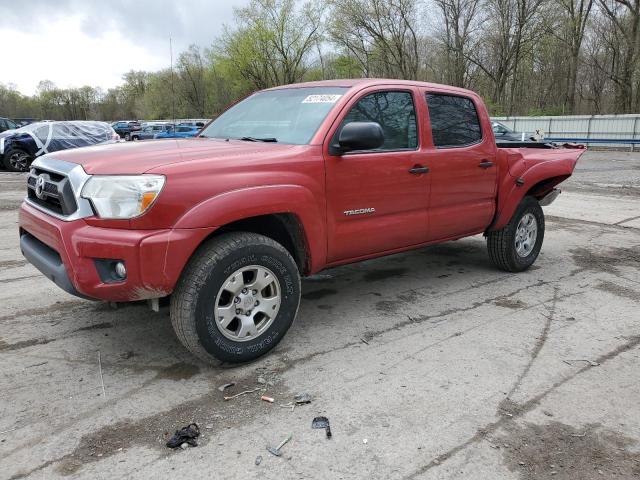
x=40, y=183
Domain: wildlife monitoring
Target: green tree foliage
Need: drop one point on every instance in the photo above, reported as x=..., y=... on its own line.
x=522, y=56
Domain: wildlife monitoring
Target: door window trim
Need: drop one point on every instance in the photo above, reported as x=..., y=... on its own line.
x=333, y=141
x=447, y=94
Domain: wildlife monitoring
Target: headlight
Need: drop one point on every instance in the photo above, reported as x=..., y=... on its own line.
x=120, y=196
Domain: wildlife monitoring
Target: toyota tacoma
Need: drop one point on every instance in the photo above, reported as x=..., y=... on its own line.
x=288, y=182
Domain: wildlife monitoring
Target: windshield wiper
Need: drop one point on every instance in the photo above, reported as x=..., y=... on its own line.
x=256, y=139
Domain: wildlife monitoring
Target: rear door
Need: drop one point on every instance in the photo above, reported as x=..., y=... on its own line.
x=374, y=202
x=463, y=165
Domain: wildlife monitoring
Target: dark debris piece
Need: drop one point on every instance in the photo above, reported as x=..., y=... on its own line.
x=302, y=398
x=187, y=435
x=322, y=422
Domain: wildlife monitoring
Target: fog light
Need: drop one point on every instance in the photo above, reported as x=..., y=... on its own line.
x=121, y=270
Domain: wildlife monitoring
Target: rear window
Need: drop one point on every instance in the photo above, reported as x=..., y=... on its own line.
x=454, y=120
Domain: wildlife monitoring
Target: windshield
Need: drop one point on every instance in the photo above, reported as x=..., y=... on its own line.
x=289, y=115
x=499, y=128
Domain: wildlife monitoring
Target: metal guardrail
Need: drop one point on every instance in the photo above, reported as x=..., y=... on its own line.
x=603, y=130
x=621, y=141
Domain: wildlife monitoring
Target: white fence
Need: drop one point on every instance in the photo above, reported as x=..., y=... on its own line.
x=605, y=130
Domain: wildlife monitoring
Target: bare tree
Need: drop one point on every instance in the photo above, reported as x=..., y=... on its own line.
x=575, y=23
x=623, y=19
x=192, y=81
x=460, y=19
x=381, y=34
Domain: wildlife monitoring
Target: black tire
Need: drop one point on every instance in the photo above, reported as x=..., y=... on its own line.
x=127, y=137
x=10, y=157
x=193, y=301
x=502, y=243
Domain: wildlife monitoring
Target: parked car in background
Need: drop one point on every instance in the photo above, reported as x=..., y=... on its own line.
x=18, y=148
x=150, y=131
x=21, y=122
x=125, y=128
x=192, y=123
x=7, y=124
x=505, y=134
x=181, y=131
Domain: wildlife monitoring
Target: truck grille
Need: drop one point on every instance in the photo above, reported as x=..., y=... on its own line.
x=51, y=191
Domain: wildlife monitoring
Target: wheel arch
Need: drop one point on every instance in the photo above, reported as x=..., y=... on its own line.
x=289, y=214
x=284, y=228
x=533, y=183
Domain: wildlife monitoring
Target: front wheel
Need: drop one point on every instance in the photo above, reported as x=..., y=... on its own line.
x=236, y=299
x=516, y=247
x=16, y=160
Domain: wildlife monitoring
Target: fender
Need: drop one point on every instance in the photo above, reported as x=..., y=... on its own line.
x=533, y=167
x=264, y=200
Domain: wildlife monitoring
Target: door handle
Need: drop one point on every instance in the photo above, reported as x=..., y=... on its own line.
x=485, y=164
x=418, y=169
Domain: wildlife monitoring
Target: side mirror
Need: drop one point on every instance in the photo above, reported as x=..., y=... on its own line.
x=359, y=136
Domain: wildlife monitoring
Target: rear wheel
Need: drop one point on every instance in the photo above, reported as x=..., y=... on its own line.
x=127, y=136
x=236, y=299
x=16, y=160
x=516, y=247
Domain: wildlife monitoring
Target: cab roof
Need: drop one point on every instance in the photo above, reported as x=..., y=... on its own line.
x=376, y=82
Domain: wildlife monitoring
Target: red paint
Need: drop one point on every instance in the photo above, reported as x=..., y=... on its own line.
x=210, y=183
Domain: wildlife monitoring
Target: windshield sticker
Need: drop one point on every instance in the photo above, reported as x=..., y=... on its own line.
x=333, y=98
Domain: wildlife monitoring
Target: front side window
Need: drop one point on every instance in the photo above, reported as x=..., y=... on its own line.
x=395, y=113
x=287, y=115
x=454, y=120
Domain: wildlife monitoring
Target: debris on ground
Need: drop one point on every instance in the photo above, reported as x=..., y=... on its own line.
x=185, y=436
x=241, y=393
x=264, y=398
x=261, y=380
x=365, y=441
x=258, y=459
x=222, y=388
x=322, y=422
x=276, y=451
x=302, y=398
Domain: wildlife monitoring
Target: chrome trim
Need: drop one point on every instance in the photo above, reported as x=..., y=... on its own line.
x=77, y=177
x=549, y=197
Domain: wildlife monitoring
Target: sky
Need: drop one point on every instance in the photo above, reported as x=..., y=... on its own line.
x=91, y=42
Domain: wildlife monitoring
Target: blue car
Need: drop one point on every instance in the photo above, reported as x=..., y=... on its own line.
x=181, y=131
x=19, y=147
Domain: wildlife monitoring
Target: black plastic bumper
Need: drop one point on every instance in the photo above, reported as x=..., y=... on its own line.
x=48, y=261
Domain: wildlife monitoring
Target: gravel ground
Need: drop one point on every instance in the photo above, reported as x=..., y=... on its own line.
x=430, y=364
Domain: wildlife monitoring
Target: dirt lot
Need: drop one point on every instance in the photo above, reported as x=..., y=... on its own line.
x=429, y=365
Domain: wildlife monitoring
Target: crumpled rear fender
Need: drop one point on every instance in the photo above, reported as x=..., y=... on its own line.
x=530, y=172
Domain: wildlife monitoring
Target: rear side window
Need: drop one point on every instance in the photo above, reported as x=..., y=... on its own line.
x=454, y=120
x=395, y=113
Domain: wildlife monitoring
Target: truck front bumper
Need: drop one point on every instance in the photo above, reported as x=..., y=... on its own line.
x=70, y=254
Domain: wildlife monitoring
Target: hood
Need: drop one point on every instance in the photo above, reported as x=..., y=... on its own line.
x=7, y=133
x=133, y=158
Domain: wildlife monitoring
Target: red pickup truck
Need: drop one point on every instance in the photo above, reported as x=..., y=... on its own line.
x=287, y=182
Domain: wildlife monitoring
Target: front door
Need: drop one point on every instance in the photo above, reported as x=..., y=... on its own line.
x=374, y=202
x=463, y=167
